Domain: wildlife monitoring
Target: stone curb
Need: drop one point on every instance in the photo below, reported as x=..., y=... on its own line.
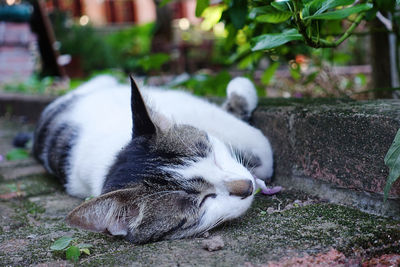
x=334, y=149
x=27, y=106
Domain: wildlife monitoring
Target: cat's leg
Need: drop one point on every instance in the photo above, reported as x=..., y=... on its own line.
x=241, y=98
x=241, y=101
x=251, y=147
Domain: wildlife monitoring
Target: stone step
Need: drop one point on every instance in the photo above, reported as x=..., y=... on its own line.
x=333, y=148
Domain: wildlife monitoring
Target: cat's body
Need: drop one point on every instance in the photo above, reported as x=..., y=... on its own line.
x=165, y=168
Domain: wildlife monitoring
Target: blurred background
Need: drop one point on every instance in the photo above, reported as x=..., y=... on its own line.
x=51, y=46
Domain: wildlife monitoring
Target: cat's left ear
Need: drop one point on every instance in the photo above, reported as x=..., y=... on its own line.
x=109, y=213
x=142, y=123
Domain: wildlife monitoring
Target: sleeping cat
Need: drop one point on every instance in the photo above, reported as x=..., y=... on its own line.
x=161, y=164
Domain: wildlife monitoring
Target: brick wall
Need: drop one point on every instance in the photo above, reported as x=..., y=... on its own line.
x=18, y=51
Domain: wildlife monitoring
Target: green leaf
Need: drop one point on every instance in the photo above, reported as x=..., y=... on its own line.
x=17, y=154
x=273, y=15
x=153, y=61
x=385, y=5
x=286, y=6
x=269, y=73
x=238, y=13
x=295, y=73
x=319, y=6
x=268, y=41
x=73, y=253
x=164, y=2
x=85, y=250
x=392, y=160
x=61, y=243
x=341, y=13
x=200, y=6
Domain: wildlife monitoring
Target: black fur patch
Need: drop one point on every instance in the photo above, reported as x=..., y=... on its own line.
x=61, y=143
x=53, y=142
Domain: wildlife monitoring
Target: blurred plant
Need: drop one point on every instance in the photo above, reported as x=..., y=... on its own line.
x=131, y=49
x=204, y=84
x=33, y=85
x=392, y=160
x=81, y=42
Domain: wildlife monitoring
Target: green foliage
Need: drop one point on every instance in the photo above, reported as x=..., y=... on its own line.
x=238, y=12
x=200, y=6
x=392, y=160
x=268, y=41
x=72, y=250
x=205, y=84
x=153, y=61
x=269, y=73
x=33, y=85
x=61, y=243
x=297, y=19
x=341, y=13
x=17, y=154
x=272, y=15
x=73, y=253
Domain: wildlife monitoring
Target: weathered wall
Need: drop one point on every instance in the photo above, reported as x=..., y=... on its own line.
x=341, y=143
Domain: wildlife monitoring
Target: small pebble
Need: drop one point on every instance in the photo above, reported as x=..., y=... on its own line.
x=213, y=244
x=206, y=234
x=270, y=210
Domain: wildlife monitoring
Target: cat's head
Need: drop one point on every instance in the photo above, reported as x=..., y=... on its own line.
x=171, y=181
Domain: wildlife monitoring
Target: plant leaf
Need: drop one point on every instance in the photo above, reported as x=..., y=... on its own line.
x=269, y=73
x=73, y=253
x=273, y=15
x=319, y=6
x=17, y=154
x=268, y=41
x=341, y=13
x=61, y=243
x=392, y=160
x=386, y=5
x=164, y=2
x=85, y=250
x=200, y=6
x=238, y=13
x=283, y=5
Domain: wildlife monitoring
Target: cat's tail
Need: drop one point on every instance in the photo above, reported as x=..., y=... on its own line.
x=241, y=98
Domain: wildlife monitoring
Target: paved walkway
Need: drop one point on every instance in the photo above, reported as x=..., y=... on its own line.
x=287, y=229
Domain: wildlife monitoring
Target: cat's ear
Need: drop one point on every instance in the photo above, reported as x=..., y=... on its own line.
x=142, y=123
x=109, y=213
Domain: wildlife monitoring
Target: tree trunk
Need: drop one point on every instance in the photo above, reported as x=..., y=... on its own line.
x=380, y=60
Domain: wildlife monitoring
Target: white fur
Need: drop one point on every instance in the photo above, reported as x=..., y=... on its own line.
x=217, y=169
x=243, y=87
x=102, y=112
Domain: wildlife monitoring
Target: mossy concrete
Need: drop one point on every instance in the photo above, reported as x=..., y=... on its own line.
x=324, y=146
x=290, y=224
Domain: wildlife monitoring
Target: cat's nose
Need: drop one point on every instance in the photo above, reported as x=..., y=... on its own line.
x=240, y=188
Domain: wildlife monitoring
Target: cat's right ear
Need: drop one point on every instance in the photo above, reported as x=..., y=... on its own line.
x=142, y=123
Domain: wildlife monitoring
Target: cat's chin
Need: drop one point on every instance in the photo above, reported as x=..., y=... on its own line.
x=223, y=208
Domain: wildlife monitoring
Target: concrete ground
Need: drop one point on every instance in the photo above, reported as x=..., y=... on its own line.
x=289, y=229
